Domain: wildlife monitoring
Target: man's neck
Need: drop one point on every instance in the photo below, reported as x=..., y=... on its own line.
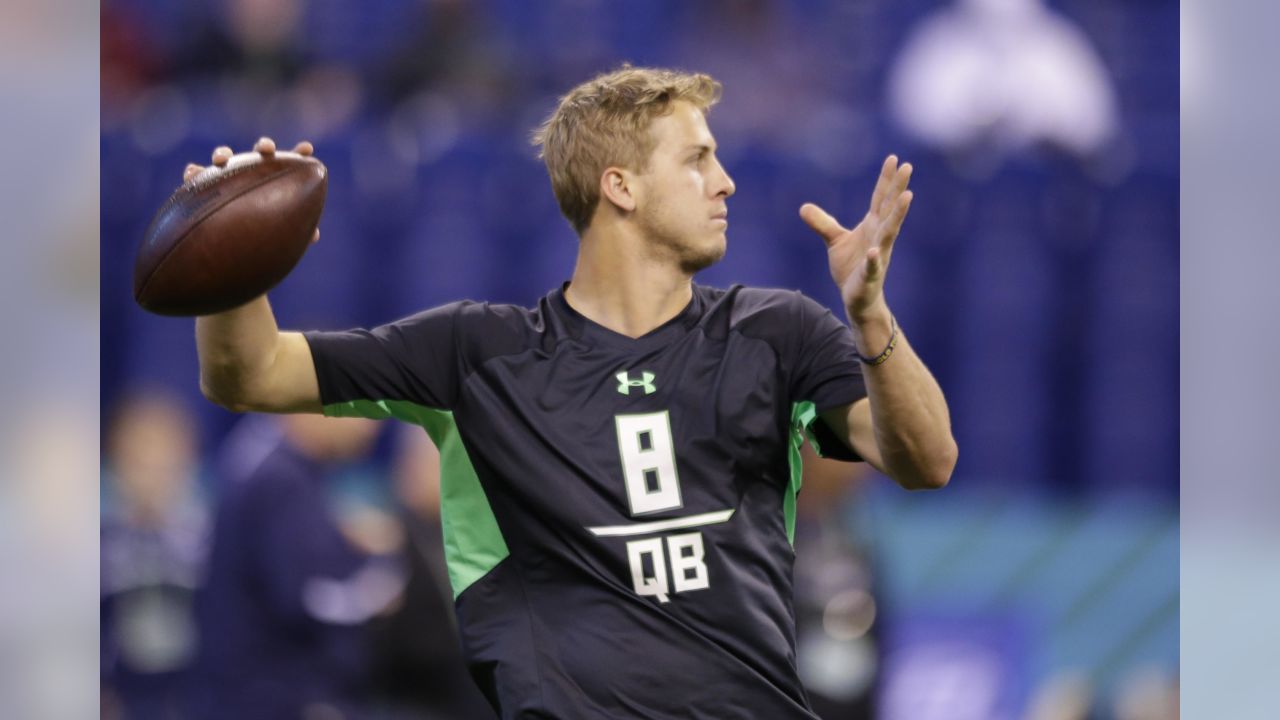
x=618, y=285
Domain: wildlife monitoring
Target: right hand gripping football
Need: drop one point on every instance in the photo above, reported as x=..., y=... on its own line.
x=231, y=231
x=265, y=147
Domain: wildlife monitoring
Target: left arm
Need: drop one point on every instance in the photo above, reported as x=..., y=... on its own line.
x=903, y=427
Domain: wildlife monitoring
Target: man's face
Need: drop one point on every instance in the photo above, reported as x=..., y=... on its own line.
x=681, y=200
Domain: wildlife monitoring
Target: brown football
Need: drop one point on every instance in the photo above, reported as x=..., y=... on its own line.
x=229, y=234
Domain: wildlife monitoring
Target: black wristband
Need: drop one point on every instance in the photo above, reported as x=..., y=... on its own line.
x=893, y=342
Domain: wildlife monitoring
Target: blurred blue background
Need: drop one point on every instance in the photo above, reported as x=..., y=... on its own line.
x=1036, y=275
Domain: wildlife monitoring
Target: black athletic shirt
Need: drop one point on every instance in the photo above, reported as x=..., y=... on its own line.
x=618, y=512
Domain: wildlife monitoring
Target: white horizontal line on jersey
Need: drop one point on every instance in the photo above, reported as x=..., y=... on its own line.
x=689, y=521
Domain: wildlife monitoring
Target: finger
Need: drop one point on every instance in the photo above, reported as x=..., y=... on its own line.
x=873, y=263
x=221, y=155
x=887, y=171
x=304, y=148
x=191, y=171
x=265, y=146
x=821, y=222
x=894, y=223
x=899, y=184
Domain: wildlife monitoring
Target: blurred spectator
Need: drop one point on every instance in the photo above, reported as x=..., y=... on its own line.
x=418, y=659
x=1148, y=693
x=834, y=594
x=283, y=611
x=153, y=542
x=1067, y=695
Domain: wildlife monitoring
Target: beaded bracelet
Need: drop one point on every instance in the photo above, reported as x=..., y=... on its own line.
x=893, y=342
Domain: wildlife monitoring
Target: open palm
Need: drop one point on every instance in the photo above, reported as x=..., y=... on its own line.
x=859, y=257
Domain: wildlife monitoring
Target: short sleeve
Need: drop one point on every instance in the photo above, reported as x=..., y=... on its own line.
x=826, y=372
x=413, y=360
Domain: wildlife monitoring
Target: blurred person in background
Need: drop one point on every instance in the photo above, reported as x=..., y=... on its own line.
x=563, y=425
x=418, y=667
x=1064, y=695
x=283, y=612
x=836, y=607
x=1148, y=693
x=153, y=547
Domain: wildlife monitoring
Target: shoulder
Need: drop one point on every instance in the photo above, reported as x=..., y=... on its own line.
x=470, y=319
x=484, y=330
x=476, y=331
x=758, y=312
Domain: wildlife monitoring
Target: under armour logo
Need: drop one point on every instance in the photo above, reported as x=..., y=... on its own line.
x=625, y=383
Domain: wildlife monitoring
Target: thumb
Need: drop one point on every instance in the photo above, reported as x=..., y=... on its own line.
x=821, y=222
x=873, y=263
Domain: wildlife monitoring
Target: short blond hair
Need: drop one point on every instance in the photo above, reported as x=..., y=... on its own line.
x=605, y=121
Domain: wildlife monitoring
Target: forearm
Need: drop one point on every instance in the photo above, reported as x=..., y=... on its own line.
x=910, y=419
x=236, y=348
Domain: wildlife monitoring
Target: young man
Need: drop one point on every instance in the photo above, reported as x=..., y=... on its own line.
x=621, y=462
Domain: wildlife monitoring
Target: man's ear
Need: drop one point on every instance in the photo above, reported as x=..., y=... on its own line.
x=619, y=187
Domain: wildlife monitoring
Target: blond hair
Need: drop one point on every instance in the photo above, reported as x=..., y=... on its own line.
x=605, y=121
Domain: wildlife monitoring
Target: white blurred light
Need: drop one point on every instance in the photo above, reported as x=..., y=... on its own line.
x=849, y=615
x=838, y=670
x=1005, y=72
x=353, y=600
x=946, y=681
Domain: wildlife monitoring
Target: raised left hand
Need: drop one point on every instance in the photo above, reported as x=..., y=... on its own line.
x=859, y=258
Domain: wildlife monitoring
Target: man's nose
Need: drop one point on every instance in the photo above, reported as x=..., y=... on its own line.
x=724, y=186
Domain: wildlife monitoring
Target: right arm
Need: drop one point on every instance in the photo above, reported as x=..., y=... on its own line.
x=247, y=364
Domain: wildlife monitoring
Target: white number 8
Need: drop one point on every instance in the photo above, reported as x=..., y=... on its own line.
x=648, y=462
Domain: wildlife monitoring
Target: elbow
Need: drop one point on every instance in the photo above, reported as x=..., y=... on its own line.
x=935, y=474
x=934, y=481
x=222, y=397
x=926, y=481
x=943, y=466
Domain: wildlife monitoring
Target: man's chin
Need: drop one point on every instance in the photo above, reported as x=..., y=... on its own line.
x=698, y=260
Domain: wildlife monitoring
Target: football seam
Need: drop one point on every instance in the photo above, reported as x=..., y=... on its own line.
x=198, y=186
x=143, y=290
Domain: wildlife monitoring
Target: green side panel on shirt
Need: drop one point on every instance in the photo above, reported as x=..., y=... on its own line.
x=473, y=542
x=802, y=416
